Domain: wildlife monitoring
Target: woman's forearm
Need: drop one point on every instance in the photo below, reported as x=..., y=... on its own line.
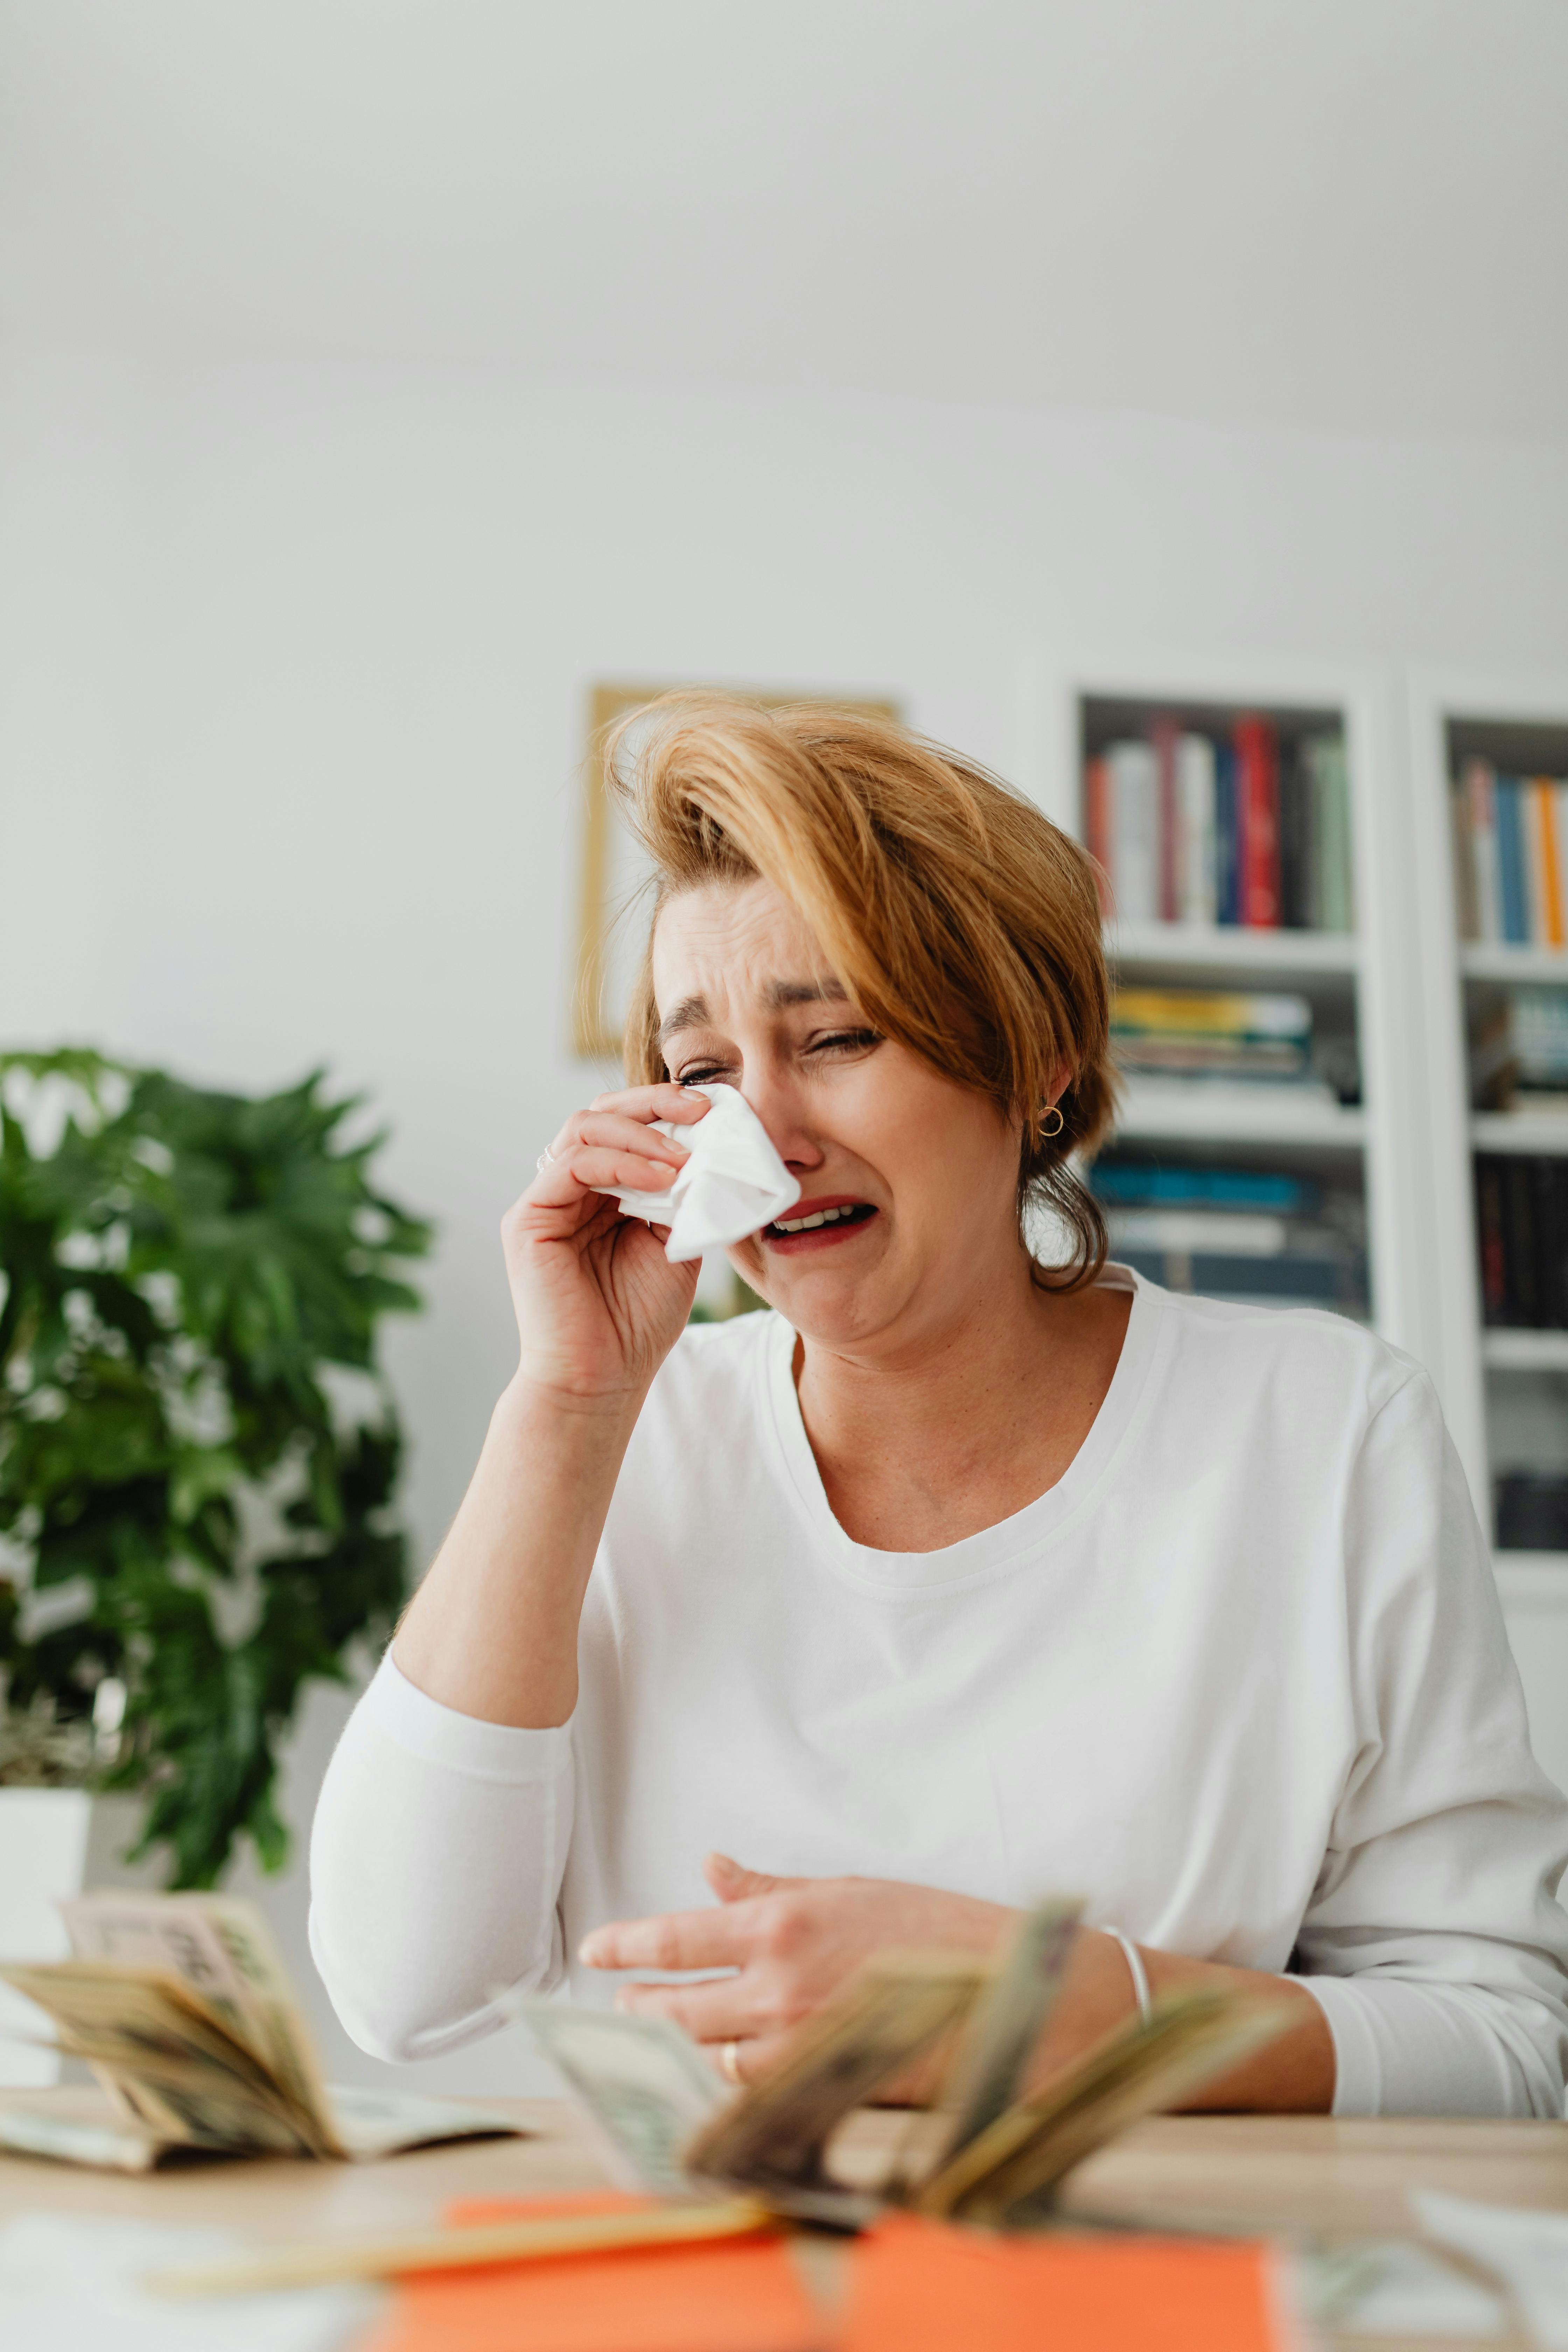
x=492, y=1630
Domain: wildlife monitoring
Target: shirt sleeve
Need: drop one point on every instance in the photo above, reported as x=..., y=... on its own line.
x=1434, y=1941
x=436, y=1864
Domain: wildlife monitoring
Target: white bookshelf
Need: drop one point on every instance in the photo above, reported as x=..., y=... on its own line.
x=1227, y=951
x=1504, y=1391
x=1157, y=1108
x=1353, y=980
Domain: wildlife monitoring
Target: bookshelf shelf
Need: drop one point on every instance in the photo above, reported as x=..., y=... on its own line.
x=1525, y=1351
x=1542, y=1131
x=1536, y=1582
x=1153, y=1109
x=1489, y=959
x=1230, y=948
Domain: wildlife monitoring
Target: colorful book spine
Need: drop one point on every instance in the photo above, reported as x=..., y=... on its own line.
x=1099, y=834
x=1546, y=890
x=1513, y=891
x=1258, y=799
x=1166, y=735
x=1227, y=838
x=1195, y=796
x=1510, y=857
x=1235, y=829
x=1135, y=831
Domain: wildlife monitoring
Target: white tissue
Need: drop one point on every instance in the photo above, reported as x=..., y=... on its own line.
x=733, y=1185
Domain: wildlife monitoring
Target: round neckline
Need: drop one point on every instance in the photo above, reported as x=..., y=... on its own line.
x=990, y=1551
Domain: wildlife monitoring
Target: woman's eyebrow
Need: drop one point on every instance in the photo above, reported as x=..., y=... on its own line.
x=689, y=1013
x=692, y=1012
x=779, y=993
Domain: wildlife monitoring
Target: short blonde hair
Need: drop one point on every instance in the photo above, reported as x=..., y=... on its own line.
x=962, y=921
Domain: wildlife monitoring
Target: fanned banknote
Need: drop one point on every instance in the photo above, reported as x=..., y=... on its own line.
x=640, y=2085
x=999, y=2151
x=1009, y=2173
x=183, y=2008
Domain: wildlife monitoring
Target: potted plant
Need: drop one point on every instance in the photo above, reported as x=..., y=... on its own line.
x=198, y=1451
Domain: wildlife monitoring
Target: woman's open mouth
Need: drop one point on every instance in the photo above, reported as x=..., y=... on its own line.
x=817, y=1224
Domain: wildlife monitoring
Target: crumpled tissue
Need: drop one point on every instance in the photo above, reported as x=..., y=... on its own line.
x=733, y=1185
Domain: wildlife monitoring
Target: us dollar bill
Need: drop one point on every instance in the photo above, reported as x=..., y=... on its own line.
x=1008, y=2173
x=182, y=2007
x=641, y=2087
x=219, y=1949
x=773, y=2139
x=173, y=2064
x=1005, y=2023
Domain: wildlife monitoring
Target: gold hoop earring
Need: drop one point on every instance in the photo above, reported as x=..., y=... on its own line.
x=1051, y=1112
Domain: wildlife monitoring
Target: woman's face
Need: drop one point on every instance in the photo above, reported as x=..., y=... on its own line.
x=915, y=1177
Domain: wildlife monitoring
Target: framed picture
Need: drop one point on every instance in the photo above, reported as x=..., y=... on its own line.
x=612, y=929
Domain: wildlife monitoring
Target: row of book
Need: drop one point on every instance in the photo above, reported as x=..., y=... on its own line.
x=1237, y=829
x=1510, y=857
x=1532, y=1510
x=1522, y=1211
x=1519, y=1047
x=1253, y=1038
x=1254, y=1237
x=1210, y=1033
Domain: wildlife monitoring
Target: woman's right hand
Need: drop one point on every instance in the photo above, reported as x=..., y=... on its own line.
x=598, y=1304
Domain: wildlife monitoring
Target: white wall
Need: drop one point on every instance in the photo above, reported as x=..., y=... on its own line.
x=292, y=676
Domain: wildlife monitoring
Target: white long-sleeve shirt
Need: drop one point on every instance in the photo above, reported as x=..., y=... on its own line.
x=1239, y=1678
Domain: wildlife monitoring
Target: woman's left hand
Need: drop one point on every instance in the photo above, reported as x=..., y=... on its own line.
x=793, y=1940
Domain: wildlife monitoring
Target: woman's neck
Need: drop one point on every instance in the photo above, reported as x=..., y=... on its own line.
x=934, y=1437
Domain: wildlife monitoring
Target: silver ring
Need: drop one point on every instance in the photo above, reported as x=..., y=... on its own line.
x=546, y=1159
x=729, y=2065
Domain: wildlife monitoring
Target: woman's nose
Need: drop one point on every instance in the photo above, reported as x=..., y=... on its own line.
x=782, y=1115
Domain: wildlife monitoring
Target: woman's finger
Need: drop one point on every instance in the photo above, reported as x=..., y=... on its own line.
x=612, y=1131
x=675, y=1939
x=751, y=2056
x=588, y=1168
x=643, y=1104
x=724, y=2010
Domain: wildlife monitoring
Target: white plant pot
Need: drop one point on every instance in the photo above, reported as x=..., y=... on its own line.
x=53, y=1842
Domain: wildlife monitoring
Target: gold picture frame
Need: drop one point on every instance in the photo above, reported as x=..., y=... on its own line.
x=610, y=877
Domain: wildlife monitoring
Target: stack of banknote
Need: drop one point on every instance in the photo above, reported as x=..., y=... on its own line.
x=183, y=2008
x=1000, y=2142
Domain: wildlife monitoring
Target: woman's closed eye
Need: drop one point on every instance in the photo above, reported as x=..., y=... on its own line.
x=846, y=1041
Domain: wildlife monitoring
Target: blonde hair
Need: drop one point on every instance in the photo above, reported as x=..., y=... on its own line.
x=959, y=918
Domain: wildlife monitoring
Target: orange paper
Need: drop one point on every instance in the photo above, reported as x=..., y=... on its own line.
x=740, y=2297
x=923, y=2286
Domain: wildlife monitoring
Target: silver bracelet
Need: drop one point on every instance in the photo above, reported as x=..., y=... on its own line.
x=1136, y=1970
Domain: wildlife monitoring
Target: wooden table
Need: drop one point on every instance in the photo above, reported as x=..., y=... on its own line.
x=1300, y=2175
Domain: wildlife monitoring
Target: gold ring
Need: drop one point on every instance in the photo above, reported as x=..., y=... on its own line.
x=729, y=2065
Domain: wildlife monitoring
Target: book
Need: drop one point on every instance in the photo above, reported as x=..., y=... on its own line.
x=1510, y=857
x=1227, y=837
x=1134, y=1182
x=1258, y=799
x=1233, y=827
x=1334, y=896
x=1165, y=735
x=1134, y=779
x=1196, y=797
x=1546, y=877
x=1513, y=889
x=1201, y=1032
x=1098, y=830
x=1522, y=1220
x=183, y=2008
x=1479, y=787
